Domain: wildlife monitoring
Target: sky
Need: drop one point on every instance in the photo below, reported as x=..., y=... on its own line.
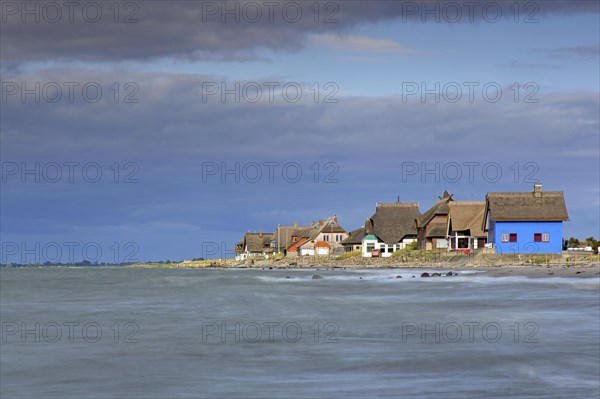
x=155, y=130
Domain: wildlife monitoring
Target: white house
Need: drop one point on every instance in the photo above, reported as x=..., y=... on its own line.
x=391, y=228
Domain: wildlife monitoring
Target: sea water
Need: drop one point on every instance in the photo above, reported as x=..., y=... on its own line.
x=194, y=333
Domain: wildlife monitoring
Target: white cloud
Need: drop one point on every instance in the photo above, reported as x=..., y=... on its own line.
x=358, y=43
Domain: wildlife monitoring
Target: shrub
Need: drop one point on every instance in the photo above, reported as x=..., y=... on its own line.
x=349, y=255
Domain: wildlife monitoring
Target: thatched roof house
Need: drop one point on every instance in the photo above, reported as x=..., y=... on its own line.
x=393, y=222
x=355, y=236
x=431, y=226
x=329, y=232
x=354, y=240
x=464, y=229
x=466, y=217
x=255, y=244
x=287, y=236
x=525, y=222
x=527, y=206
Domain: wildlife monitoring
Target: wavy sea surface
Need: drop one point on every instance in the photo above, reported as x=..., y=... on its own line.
x=189, y=333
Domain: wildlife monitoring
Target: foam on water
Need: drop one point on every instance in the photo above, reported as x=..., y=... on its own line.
x=354, y=341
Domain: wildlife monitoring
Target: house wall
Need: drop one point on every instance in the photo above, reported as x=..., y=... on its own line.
x=352, y=247
x=525, y=243
x=321, y=236
x=307, y=252
x=322, y=251
x=385, y=249
x=366, y=247
x=241, y=256
x=439, y=243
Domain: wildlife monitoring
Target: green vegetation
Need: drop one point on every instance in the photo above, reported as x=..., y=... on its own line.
x=275, y=257
x=407, y=250
x=349, y=255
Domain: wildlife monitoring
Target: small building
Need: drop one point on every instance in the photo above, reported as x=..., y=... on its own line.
x=464, y=230
x=287, y=236
x=525, y=222
x=294, y=250
x=354, y=240
x=431, y=226
x=392, y=227
x=326, y=240
x=255, y=244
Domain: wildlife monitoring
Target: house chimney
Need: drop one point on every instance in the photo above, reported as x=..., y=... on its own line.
x=320, y=222
x=260, y=233
x=335, y=219
x=398, y=200
x=537, y=190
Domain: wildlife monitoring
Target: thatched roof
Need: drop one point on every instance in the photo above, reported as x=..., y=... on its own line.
x=438, y=230
x=392, y=222
x=527, y=206
x=467, y=217
x=355, y=237
x=439, y=208
x=285, y=234
x=254, y=243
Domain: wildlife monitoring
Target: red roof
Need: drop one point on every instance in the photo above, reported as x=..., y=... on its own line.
x=322, y=244
x=296, y=245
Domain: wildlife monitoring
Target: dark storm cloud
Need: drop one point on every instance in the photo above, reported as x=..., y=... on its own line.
x=174, y=114
x=195, y=29
x=171, y=131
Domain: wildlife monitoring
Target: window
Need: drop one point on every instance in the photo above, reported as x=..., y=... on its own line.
x=537, y=237
x=512, y=237
x=325, y=237
x=504, y=237
x=546, y=237
x=370, y=248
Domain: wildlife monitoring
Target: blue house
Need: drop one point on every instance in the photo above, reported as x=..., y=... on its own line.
x=525, y=222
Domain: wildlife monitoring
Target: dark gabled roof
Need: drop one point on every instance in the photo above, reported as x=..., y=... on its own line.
x=439, y=208
x=526, y=206
x=467, y=216
x=355, y=237
x=392, y=222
